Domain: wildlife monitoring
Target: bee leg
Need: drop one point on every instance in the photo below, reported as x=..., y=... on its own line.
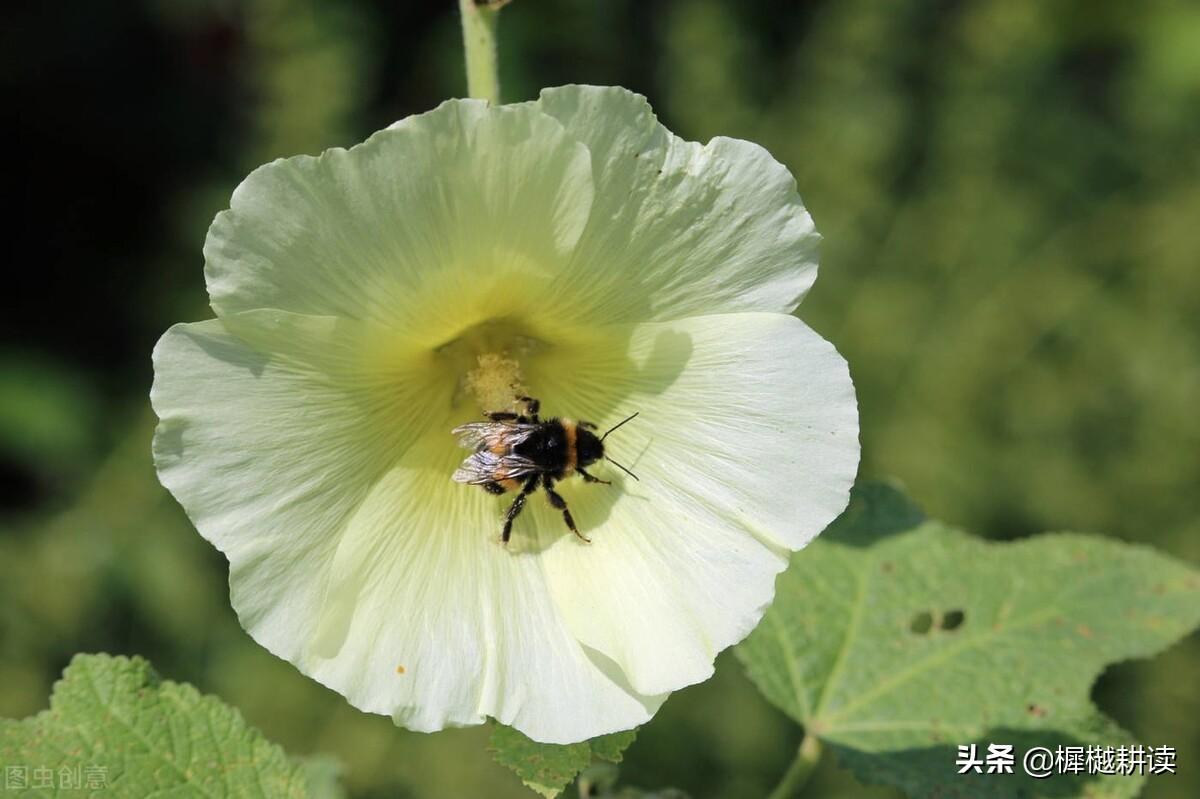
x=514, y=510
x=589, y=479
x=506, y=416
x=557, y=501
x=532, y=406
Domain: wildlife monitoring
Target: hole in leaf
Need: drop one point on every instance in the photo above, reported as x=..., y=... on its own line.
x=921, y=623
x=953, y=619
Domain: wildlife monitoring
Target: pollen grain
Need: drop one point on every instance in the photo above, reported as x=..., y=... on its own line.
x=495, y=381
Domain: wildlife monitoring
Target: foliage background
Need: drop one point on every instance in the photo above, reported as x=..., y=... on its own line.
x=1009, y=194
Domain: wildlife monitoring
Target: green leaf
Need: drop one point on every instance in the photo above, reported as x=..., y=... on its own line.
x=549, y=768
x=113, y=722
x=612, y=747
x=895, y=639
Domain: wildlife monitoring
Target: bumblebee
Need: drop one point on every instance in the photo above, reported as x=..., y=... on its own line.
x=521, y=452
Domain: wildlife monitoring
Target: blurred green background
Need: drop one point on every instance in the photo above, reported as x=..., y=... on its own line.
x=1010, y=196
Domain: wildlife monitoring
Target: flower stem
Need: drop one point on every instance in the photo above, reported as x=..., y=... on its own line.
x=802, y=768
x=479, y=42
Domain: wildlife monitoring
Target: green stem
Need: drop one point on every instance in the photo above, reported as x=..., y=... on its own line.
x=802, y=768
x=479, y=42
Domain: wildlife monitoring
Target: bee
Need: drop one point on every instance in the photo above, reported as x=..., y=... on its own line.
x=521, y=452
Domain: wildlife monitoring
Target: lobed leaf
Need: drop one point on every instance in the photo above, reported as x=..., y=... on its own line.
x=895, y=639
x=112, y=723
x=549, y=768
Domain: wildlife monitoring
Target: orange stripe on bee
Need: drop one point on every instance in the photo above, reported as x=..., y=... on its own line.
x=509, y=485
x=497, y=442
x=570, y=429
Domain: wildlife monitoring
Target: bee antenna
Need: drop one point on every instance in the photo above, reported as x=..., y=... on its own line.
x=614, y=427
x=619, y=466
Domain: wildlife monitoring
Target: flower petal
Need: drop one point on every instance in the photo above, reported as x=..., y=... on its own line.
x=678, y=228
x=270, y=446
x=746, y=447
x=314, y=454
x=409, y=227
x=421, y=582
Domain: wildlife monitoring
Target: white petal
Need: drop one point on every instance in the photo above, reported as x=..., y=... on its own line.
x=420, y=580
x=580, y=207
x=308, y=451
x=428, y=226
x=746, y=446
x=678, y=229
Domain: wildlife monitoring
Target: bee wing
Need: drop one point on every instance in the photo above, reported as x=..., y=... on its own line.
x=473, y=435
x=485, y=466
x=492, y=435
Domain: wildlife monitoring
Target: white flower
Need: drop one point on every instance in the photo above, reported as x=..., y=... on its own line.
x=369, y=300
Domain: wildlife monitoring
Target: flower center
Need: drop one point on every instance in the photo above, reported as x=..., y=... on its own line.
x=486, y=361
x=495, y=381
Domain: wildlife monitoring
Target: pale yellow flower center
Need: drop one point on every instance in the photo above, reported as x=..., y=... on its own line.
x=486, y=361
x=495, y=381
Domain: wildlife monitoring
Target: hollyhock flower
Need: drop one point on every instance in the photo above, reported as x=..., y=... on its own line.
x=370, y=300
